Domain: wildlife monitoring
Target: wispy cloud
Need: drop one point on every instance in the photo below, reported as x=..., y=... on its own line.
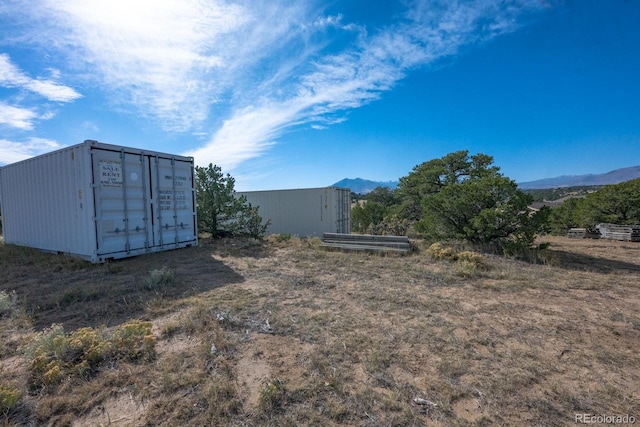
x=15, y=117
x=160, y=57
x=247, y=135
x=23, y=118
x=248, y=71
x=13, y=151
x=360, y=73
x=12, y=77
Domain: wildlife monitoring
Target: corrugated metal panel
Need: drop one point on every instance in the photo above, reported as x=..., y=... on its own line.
x=343, y=210
x=304, y=212
x=100, y=201
x=42, y=203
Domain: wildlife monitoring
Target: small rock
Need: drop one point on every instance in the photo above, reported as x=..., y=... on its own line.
x=424, y=402
x=266, y=327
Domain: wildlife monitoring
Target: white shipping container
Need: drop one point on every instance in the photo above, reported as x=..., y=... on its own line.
x=99, y=201
x=304, y=212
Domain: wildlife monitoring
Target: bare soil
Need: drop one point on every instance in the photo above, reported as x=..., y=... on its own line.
x=285, y=333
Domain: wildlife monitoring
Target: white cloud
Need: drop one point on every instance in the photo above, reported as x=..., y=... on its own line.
x=11, y=76
x=52, y=91
x=12, y=151
x=247, y=135
x=172, y=60
x=19, y=118
x=162, y=57
x=357, y=75
x=265, y=66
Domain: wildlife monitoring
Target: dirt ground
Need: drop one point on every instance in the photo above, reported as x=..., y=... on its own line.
x=282, y=332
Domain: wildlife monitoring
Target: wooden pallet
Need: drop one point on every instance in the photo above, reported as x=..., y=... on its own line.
x=628, y=233
x=366, y=243
x=577, y=233
x=583, y=233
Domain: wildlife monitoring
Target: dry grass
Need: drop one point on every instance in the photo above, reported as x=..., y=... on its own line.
x=283, y=333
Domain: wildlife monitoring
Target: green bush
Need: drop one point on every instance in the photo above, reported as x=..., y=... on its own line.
x=220, y=211
x=159, y=277
x=465, y=197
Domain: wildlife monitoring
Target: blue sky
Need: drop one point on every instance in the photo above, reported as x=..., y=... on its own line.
x=286, y=94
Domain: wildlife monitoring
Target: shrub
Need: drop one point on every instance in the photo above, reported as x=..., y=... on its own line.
x=45, y=354
x=6, y=301
x=272, y=395
x=467, y=260
x=55, y=355
x=134, y=340
x=473, y=258
x=159, y=277
x=391, y=226
x=439, y=252
x=9, y=397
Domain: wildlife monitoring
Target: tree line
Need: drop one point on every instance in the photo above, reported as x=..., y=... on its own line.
x=465, y=197
x=456, y=197
x=615, y=204
x=554, y=194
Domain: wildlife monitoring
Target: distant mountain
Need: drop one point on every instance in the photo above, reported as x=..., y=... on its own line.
x=614, y=177
x=363, y=186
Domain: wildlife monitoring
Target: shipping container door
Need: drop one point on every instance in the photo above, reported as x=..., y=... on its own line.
x=173, y=201
x=343, y=211
x=121, y=189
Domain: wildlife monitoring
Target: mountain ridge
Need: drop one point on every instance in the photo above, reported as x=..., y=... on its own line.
x=364, y=186
x=616, y=176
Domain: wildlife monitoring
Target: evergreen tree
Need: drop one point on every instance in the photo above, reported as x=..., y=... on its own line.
x=219, y=211
x=466, y=197
x=617, y=204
